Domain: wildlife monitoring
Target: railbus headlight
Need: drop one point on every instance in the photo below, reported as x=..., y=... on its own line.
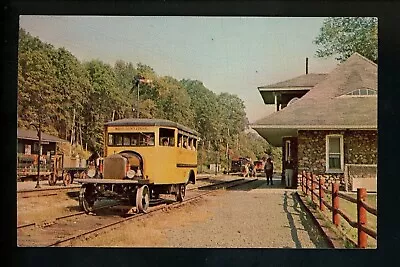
x=130, y=174
x=91, y=173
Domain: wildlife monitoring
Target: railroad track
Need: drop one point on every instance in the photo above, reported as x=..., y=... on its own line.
x=153, y=202
x=52, y=220
x=55, y=191
x=46, y=192
x=67, y=229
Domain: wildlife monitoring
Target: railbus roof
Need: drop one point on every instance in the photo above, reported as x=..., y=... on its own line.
x=151, y=122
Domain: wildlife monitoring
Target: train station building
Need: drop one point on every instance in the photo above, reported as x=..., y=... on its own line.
x=327, y=123
x=28, y=142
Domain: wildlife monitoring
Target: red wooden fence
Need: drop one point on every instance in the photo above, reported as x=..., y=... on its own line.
x=362, y=206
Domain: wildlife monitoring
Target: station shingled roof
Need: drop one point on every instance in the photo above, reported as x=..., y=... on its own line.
x=305, y=80
x=327, y=104
x=27, y=134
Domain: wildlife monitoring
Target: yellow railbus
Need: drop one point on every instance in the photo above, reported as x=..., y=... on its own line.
x=142, y=159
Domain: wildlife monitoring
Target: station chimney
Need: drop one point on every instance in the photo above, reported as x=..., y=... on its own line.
x=306, y=65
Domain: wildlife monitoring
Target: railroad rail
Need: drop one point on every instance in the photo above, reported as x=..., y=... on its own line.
x=153, y=202
x=57, y=231
x=46, y=192
x=48, y=222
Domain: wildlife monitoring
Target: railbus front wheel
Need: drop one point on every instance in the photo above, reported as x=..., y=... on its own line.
x=180, y=195
x=142, y=198
x=87, y=197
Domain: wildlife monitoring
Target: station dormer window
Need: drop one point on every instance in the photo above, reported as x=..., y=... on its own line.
x=362, y=92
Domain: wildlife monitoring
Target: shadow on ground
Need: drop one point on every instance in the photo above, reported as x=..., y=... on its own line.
x=305, y=220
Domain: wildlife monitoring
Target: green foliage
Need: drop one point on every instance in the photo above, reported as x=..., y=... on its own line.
x=341, y=37
x=36, y=82
x=53, y=85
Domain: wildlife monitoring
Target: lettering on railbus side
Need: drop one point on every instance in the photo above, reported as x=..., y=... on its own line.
x=125, y=128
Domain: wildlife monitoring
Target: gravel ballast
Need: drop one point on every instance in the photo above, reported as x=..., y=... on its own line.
x=265, y=217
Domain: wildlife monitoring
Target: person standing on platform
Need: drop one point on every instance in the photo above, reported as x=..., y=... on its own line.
x=269, y=170
x=289, y=172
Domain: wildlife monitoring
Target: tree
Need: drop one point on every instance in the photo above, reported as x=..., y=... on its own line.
x=36, y=82
x=124, y=76
x=54, y=84
x=205, y=106
x=73, y=87
x=102, y=99
x=341, y=37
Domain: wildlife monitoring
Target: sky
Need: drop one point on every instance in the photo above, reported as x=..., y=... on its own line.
x=228, y=54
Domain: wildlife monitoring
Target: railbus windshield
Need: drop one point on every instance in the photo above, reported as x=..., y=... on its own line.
x=165, y=152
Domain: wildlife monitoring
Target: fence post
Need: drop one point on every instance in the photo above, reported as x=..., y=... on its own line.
x=335, y=204
x=302, y=180
x=312, y=187
x=361, y=218
x=321, y=193
x=307, y=177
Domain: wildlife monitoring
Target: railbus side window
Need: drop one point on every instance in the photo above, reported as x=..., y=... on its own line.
x=190, y=143
x=166, y=137
x=180, y=140
x=185, y=142
x=127, y=140
x=118, y=139
x=194, y=144
x=110, y=139
x=146, y=139
x=135, y=139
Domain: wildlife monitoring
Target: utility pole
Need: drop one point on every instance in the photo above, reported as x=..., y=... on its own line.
x=39, y=134
x=227, y=152
x=80, y=134
x=216, y=161
x=137, y=106
x=72, y=133
x=137, y=81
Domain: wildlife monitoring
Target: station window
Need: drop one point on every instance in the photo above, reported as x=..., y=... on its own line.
x=21, y=148
x=334, y=153
x=362, y=92
x=35, y=148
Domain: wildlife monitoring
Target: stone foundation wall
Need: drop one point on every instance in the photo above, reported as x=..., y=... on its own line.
x=360, y=147
x=329, y=180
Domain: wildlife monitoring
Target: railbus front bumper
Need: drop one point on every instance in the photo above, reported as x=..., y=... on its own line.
x=112, y=181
